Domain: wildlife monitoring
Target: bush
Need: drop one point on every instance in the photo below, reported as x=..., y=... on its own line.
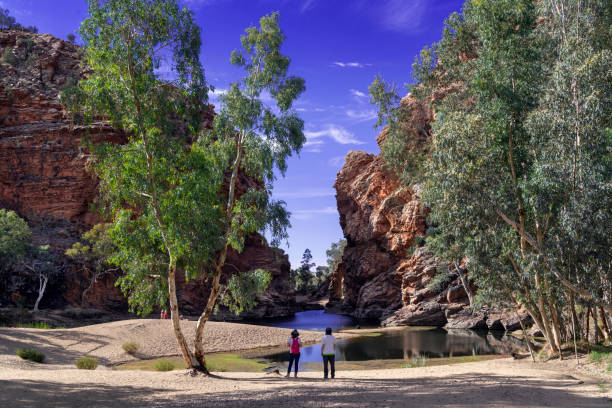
x=9, y=58
x=86, y=363
x=130, y=347
x=31, y=354
x=163, y=365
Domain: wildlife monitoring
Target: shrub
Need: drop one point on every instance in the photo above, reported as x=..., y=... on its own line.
x=130, y=347
x=31, y=354
x=9, y=58
x=86, y=363
x=163, y=365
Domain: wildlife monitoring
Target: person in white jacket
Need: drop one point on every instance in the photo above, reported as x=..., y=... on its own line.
x=328, y=352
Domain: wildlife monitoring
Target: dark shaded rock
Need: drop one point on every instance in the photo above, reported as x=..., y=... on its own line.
x=424, y=314
x=466, y=320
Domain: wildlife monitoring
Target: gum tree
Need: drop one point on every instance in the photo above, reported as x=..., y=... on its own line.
x=178, y=196
x=160, y=190
x=255, y=140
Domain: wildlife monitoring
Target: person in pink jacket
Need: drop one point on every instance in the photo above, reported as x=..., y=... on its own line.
x=294, y=344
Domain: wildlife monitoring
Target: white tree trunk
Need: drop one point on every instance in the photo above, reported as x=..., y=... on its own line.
x=43, y=279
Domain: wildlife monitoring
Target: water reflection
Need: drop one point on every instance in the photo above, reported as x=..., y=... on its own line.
x=316, y=320
x=406, y=344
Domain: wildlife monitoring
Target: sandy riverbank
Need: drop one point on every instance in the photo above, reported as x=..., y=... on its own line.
x=494, y=383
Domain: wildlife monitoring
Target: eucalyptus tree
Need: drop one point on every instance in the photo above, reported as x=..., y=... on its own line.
x=517, y=173
x=255, y=140
x=160, y=189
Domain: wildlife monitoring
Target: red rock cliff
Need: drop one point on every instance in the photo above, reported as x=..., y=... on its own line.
x=44, y=176
x=384, y=273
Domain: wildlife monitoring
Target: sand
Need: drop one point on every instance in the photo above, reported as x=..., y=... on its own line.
x=493, y=383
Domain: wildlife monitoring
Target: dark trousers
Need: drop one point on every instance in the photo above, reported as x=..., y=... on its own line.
x=331, y=359
x=292, y=358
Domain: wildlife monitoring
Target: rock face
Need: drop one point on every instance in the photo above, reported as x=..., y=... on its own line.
x=44, y=176
x=385, y=274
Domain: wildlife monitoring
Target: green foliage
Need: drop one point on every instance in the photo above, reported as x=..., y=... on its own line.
x=171, y=180
x=440, y=281
x=244, y=288
x=33, y=325
x=8, y=57
x=334, y=255
x=130, y=347
x=163, y=365
x=14, y=238
x=601, y=356
x=518, y=172
x=86, y=363
x=70, y=37
x=8, y=22
x=31, y=355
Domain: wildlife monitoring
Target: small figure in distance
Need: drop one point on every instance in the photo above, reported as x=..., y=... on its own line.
x=328, y=352
x=294, y=344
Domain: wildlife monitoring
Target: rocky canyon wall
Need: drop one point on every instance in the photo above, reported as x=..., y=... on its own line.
x=44, y=176
x=385, y=273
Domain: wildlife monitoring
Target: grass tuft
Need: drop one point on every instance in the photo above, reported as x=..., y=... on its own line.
x=31, y=355
x=130, y=347
x=86, y=363
x=163, y=365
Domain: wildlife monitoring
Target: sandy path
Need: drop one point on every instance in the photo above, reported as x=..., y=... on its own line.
x=493, y=383
x=496, y=383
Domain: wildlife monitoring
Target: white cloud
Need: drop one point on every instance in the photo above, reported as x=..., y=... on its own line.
x=358, y=94
x=336, y=161
x=335, y=132
x=305, y=193
x=403, y=15
x=307, y=4
x=351, y=64
x=308, y=214
x=361, y=115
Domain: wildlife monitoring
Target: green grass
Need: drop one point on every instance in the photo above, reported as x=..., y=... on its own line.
x=31, y=355
x=32, y=325
x=420, y=361
x=214, y=362
x=163, y=365
x=130, y=347
x=373, y=334
x=600, y=356
x=86, y=363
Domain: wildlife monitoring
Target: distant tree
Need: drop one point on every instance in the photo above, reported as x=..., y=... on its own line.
x=70, y=37
x=334, y=255
x=8, y=22
x=321, y=273
x=305, y=278
x=92, y=255
x=43, y=265
x=15, y=238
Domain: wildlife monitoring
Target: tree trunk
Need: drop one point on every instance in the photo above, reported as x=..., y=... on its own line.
x=598, y=334
x=575, y=320
x=604, y=323
x=542, y=308
x=588, y=324
x=466, y=284
x=210, y=306
x=42, y=285
x=175, y=317
x=573, y=313
x=214, y=290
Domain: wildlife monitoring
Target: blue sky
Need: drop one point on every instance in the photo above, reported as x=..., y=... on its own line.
x=338, y=46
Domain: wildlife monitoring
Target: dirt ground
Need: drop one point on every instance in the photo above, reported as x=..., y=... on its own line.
x=57, y=383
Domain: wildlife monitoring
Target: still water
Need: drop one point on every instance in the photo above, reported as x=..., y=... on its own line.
x=390, y=345
x=316, y=320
